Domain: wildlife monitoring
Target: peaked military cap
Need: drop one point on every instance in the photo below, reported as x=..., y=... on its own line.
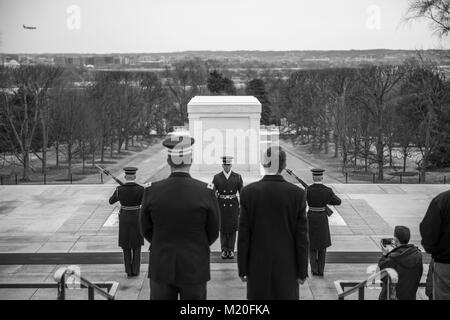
x=179, y=145
x=317, y=172
x=227, y=160
x=130, y=170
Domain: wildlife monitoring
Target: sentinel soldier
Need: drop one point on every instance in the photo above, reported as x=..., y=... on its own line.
x=319, y=196
x=130, y=239
x=228, y=184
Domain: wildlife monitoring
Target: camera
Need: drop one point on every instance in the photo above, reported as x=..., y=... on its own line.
x=387, y=241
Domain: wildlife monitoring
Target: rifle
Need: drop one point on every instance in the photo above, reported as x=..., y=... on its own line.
x=103, y=170
x=298, y=179
x=328, y=211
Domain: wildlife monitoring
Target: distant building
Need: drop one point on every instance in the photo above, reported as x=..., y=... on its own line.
x=12, y=64
x=74, y=61
x=109, y=60
x=44, y=60
x=90, y=61
x=12, y=57
x=59, y=60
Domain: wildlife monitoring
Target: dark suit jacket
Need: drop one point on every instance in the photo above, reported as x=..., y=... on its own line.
x=180, y=219
x=273, y=238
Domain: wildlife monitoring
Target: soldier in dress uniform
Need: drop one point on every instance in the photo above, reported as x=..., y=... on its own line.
x=130, y=239
x=319, y=196
x=228, y=184
x=180, y=219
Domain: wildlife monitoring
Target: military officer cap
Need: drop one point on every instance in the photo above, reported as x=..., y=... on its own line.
x=317, y=172
x=178, y=145
x=227, y=160
x=130, y=170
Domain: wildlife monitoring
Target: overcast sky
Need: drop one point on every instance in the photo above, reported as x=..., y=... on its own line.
x=103, y=26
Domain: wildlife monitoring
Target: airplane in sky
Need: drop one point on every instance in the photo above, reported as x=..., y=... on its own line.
x=30, y=28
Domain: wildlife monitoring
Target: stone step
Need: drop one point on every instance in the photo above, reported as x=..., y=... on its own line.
x=340, y=257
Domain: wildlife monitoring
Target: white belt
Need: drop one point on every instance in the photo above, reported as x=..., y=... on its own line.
x=126, y=208
x=317, y=209
x=227, y=197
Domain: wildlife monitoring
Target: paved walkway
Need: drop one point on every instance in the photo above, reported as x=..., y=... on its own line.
x=78, y=218
x=149, y=161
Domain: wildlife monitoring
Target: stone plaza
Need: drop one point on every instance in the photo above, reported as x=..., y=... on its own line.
x=45, y=227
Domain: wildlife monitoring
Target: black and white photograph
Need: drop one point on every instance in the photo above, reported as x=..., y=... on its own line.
x=242, y=150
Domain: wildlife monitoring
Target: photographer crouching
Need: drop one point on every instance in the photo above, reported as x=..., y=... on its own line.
x=406, y=259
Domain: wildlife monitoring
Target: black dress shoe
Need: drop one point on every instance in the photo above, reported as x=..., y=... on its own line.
x=230, y=255
x=320, y=274
x=224, y=254
x=315, y=273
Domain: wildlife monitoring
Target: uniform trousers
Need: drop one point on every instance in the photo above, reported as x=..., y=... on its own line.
x=317, y=260
x=164, y=291
x=132, y=260
x=227, y=241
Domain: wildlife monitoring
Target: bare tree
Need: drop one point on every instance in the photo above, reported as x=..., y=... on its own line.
x=24, y=107
x=426, y=93
x=50, y=75
x=186, y=79
x=378, y=86
x=73, y=113
x=437, y=12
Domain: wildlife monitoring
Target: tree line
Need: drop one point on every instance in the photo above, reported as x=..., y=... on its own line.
x=40, y=108
x=363, y=112
x=367, y=112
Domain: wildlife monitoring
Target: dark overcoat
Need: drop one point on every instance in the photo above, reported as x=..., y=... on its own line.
x=129, y=195
x=229, y=208
x=435, y=228
x=180, y=219
x=319, y=195
x=273, y=238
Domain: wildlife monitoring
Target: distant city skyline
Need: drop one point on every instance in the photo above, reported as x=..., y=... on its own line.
x=142, y=26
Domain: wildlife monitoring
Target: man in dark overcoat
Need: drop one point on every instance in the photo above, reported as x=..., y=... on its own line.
x=273, y=234
x=180, y=219
x=319, y=196
x=435, y=232
x=228, y=183
x=130, y=239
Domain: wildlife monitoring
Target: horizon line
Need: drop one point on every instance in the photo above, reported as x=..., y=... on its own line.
x=226, y=51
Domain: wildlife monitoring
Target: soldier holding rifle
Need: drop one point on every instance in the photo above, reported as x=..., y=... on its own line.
x=318, y=197
x=129, y=194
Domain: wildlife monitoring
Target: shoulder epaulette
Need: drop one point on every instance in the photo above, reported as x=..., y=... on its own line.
x=210, y=186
